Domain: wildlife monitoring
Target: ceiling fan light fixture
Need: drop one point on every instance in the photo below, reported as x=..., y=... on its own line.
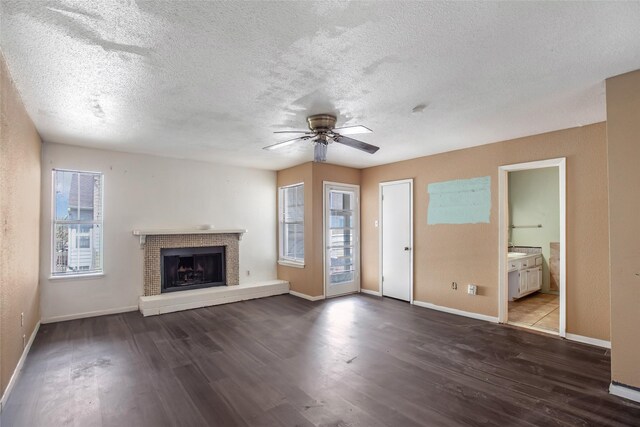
x=322, y=132
x=320, y=152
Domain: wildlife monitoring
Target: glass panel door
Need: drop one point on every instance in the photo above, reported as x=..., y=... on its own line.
x=341, y=238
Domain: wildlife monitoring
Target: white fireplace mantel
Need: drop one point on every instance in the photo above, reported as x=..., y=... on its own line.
x=164, y=232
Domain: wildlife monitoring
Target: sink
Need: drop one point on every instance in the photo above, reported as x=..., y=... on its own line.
x=516, y=254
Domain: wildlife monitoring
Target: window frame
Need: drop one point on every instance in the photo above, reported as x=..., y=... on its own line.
x=54, y=222
x=282, y=258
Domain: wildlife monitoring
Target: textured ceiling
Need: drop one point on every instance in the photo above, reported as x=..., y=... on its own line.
x=212, y=81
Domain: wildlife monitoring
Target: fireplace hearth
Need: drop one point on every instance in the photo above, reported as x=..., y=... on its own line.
x=192, y=268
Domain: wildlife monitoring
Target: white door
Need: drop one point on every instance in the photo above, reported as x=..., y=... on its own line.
x=342, y=237
x=396, y=224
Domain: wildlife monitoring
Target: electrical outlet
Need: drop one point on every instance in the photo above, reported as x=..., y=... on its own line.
x=472, y=290
x=248, y=272
x=454, y=286
x=21, y=319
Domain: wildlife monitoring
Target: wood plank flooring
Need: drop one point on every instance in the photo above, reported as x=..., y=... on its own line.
x=283, y=361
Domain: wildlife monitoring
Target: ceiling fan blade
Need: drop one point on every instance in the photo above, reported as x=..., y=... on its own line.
x=294, y=131
x=285, y=143
x=354, y=143
x=352, y=130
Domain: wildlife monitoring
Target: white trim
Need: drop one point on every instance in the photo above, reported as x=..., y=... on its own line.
x=449, y=310
x=89, y=314
x=503, y=289
x=18, y=369
x=291, y=185
x=197, y=298
x=288, y=263
x=305, y=296
x=356, y=189
x=172, y=231
x=588, y=340
x=88, y=222
x=142, y=234
x=623, y=391
x=370, y=292
x=77, y=276
x=382, y=184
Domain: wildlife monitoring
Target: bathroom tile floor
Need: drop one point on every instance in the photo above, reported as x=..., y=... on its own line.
x=538, y=311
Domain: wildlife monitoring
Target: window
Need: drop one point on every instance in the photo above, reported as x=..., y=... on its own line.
x=77, y=223
x=291, y=214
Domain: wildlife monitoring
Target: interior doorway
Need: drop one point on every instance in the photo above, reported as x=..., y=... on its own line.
x=341, y=239
x=396, y=239
x=532, y=245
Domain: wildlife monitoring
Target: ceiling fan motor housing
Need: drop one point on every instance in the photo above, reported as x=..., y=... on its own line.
x=321, y=122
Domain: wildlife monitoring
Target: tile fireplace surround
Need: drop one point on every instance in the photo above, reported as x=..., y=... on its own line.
x=154, y=240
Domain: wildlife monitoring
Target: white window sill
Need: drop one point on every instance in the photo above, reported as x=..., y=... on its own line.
x=288, y=263
x=77, y=276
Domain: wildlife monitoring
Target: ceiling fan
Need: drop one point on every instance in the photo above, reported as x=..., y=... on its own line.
x=322, y=132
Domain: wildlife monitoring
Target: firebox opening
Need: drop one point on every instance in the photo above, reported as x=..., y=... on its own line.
x=192, y=268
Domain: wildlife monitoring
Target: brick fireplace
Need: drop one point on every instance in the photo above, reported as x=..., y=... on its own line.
x=154, y=242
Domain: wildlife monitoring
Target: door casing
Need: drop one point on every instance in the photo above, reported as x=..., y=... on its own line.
x=503, y=210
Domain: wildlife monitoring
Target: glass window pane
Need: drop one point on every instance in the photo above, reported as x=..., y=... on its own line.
x=77, y=248
x=340, y=200
x=61, y=248
x=340, y=219
x=341, y=237
x=341, y=277
x=63, y=189
x=78, y=196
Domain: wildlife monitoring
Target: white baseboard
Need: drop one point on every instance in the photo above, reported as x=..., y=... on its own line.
x=89, y=314
x=587, y=340
x=198, y=298
x=368, y=292
x=626, y=392
x=18, y=369
x=305, y=296
x=456, y=311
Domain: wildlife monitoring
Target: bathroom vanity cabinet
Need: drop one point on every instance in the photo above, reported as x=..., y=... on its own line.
x=525, y=275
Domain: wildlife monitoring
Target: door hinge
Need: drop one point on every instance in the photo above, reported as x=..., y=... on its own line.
x=383, y=278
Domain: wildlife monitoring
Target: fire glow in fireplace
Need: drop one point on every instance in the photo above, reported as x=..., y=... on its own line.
x=192, y=268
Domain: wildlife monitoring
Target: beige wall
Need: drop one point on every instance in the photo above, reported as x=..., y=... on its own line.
x=300, y=279
x=623, y=135
x=468, y=253
x=20, y=218
x=310, y=279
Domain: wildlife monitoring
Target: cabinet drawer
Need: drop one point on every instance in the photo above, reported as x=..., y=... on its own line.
x=525, y=263
x=514, y=265
x=538, y=260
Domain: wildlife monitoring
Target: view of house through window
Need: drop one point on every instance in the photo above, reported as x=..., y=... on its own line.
x=292, y=223
x=77, y=222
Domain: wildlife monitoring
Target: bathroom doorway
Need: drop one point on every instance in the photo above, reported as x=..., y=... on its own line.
x=532, y=245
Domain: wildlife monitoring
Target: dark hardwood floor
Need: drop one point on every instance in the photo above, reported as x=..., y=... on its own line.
x=284, y=361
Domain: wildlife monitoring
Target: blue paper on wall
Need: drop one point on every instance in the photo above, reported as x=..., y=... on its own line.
x=462, y=201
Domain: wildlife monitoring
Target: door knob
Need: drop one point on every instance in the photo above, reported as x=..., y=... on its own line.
x=407, y=248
